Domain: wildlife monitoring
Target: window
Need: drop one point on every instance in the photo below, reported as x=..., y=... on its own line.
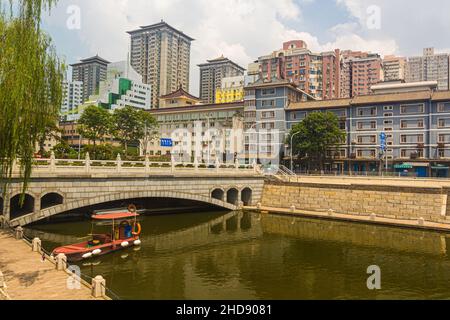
x=412, y=109
x=444, y=123
x=444, y=107
x=444, y=138
x=388, y=122
x=268, y=125
x=388, y=108
x=268, y=92
x=408, y=153
x=366, y=125
x=268, y=103
x=411, y=138
x=388, y=114
x=372, y=139
x=366, y=153
x=268, y=115
x=364, y=112
x=412, y=124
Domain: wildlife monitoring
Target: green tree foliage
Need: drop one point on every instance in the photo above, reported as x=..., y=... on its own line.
x=30, y=84
x=317, y=133
x=131, y=125
x=63, y=151
x=95, y=124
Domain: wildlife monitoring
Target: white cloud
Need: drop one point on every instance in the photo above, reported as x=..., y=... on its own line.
x=242, y=29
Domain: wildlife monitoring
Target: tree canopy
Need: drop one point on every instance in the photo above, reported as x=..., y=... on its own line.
x=95, y=124
x=31, y=77
x=315, y=135
x=131, y=125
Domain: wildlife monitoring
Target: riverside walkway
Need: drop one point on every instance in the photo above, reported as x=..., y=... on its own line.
x=28, y=278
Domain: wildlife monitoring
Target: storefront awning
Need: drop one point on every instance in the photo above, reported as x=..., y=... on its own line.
x=403, y=166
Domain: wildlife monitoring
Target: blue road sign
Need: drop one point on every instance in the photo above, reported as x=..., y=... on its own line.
x=383, y=141
x=166, y=143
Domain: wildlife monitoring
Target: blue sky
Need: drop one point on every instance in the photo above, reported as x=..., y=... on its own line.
x=245, y=29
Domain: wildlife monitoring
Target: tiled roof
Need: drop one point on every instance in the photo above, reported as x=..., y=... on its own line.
x=199, y=107
x=161, y=24
x=441, y=95
x=392, y=97
x=320, y=104
x=94, y=58
x=180, y=93
x=373, y=99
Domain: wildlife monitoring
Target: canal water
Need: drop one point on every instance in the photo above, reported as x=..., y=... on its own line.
x=251, y=256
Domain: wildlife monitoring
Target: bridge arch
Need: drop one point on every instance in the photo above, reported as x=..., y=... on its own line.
x=218, y=194
x=246, y=196
x=17, y=209
x=122, y=196
x=51, y=199
x=233, y=196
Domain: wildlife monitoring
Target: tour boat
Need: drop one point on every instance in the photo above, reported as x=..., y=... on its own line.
x=125, y=235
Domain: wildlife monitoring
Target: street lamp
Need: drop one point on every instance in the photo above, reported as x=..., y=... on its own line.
x=292, y=150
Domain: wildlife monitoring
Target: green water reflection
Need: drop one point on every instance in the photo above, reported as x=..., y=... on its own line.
x=248, y=256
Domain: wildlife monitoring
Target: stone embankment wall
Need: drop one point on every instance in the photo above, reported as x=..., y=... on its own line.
x=389, y=201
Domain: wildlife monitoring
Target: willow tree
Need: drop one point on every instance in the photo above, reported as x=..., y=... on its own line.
x=31, y=77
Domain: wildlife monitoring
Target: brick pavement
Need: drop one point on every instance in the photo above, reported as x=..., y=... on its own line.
x=28, y=278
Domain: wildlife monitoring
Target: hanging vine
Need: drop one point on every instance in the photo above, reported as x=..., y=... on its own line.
x=31, y=77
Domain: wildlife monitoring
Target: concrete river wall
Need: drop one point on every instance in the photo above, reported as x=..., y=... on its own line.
x=391, y=200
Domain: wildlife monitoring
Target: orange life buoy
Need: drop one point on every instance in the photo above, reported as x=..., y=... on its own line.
x=139, y=229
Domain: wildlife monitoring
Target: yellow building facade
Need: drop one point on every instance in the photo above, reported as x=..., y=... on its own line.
x=232, y=90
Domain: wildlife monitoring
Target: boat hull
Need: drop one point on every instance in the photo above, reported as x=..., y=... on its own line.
x=81, y=251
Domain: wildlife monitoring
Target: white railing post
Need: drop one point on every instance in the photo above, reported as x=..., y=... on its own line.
x=118, y=163
x=52, y=162
x=36, y=245
x=196, y=164
x=255, y=165
x=217, y=165
x=61, y=261
x=172, y=164
x=19, y=233
x=147, y=164
x=87, y=163
x=236, y=164
x=98, y=287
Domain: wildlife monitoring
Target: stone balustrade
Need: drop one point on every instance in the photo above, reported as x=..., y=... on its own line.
x=87, y=166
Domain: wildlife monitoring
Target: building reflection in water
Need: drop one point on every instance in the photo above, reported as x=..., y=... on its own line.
x=241, y=255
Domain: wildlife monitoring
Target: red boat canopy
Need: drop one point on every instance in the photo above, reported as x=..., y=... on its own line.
x=115, y=216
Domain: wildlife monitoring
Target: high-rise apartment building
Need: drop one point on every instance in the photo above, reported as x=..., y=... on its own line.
x=429, y=67
x=211, y=75
x=161, y=55
x=394, y=68
x=359, y=72
x=315, y=73
x=90, y=71
x=72, y=98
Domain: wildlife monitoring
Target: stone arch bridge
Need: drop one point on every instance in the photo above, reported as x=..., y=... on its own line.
x=56, y=189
